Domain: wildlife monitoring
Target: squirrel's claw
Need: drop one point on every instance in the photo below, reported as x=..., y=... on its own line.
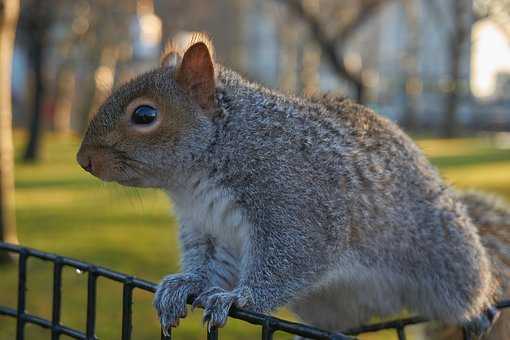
x=165, y=331
x=171, y=297
x=217, y=308
x=483, y=323
x=201, y=300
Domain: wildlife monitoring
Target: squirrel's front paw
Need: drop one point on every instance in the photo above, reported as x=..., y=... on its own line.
x=217, y=303
x=171, y=296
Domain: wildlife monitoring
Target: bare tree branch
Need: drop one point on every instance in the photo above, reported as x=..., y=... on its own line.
x=333, y=47
x=368, y=11
x=326, y=43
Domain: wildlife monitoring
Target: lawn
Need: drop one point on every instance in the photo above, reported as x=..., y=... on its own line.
x=62, y=209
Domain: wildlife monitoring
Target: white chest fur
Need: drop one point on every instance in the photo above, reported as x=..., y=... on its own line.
x=210, y=210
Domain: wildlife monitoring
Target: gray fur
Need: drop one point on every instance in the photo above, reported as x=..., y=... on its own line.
x=492, y=217
x=329, y=208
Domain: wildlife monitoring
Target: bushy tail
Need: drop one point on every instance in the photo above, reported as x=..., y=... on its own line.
x=492, y=217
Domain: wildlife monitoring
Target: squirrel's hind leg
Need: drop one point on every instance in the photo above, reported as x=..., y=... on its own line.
x=330, y=309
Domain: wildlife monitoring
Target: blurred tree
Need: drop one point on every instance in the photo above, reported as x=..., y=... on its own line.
x=332, y=44
x=8, y=18
x=461, y=31
x=288, y=52
x=309, y=58
x=101, y=28
x=412, y=81
x=104, y=76
x=67, y=44
x=64, y=95
x=36, y=18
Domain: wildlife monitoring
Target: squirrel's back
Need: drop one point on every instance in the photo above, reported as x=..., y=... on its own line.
x=358, y=182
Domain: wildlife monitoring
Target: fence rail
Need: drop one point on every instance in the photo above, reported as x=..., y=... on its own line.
x=269, y=325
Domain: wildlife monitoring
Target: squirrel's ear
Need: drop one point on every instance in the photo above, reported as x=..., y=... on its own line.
x=196, y=74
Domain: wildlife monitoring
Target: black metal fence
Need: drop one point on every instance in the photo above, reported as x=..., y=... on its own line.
x=269, y=325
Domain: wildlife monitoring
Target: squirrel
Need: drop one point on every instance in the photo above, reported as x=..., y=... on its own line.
x=318, y=204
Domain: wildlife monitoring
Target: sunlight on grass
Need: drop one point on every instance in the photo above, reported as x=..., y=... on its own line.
x=452, y=147
x=62, y=209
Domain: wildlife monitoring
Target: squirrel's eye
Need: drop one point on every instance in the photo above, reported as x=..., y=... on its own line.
x=144, y=114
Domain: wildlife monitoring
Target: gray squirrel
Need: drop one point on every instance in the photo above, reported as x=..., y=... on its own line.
x=317, y=204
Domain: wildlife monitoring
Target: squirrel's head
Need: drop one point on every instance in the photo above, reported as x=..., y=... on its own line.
x=157, y=124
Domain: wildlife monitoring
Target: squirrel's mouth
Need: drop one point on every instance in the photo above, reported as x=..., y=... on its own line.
x=110, y=165
x=123, y=178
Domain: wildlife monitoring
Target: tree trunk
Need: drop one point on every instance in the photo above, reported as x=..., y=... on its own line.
x=9, y=10
x=85, y=99
x=87, y=90
x=461, y=30
x=36, y=49
x=103, y=79
x=412, y=81
x=309, y=62
x=288, y=51
x=64, y=97
x=309, y=58
x=450, y=117
x=359, y=92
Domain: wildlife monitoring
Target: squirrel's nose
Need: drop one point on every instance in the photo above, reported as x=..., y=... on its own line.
x=88, y=165
x=85, y=161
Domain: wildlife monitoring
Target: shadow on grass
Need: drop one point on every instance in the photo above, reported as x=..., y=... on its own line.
x=487, y=156
x=75, y=183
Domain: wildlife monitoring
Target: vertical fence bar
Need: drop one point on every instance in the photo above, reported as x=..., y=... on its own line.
x=57, y=299
x=212, y=333
x=267, y=330
x=91, y=302
x=465, y=334
x=401, y=333
x=127, y=309
x=22, y=287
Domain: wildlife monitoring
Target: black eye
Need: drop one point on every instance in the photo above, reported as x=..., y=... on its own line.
x=144, y=114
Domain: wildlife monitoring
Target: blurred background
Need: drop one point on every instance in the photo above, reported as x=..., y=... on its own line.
x=440, y=68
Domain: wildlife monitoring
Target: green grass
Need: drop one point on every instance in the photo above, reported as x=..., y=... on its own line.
x=62, y=209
